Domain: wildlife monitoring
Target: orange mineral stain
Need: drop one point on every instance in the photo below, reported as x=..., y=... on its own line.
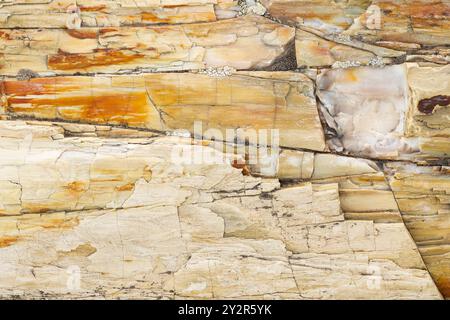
x=59, y=223
x=92, y=8
x=76, y=187
x=101, y=57
x=126, y=187
x=443, y=283
x=7, y=241
x=149, y=17
x=350, y=75
x=78, y=99
x=82, y=34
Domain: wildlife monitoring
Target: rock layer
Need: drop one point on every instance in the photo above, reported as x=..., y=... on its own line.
x=164, y=48
x=423, y=196
x=368, y=116
x=252, y=101
x=105, y=13
x=214, y=233
x=224, y=149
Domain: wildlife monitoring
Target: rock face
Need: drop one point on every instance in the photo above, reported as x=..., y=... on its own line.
x=423, y=195
x=405, y=118
x=168, y=48
x=104, y=13
x=158, y=228
x=221, y=149
x=252, y=100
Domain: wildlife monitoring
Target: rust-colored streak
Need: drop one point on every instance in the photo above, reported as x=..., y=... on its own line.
x=104, y=31
x=126, y=187
x=78, y=99
x=148, y=17
x=82, y=34
x=102, y=57
x=99, y=8
x=128, y=109
x=5, y=35
x=239, y=165
x=60, y=223
x=7, y=241
x=430, y=9
x=76, y=187
x=23, y=88
x=427, y=105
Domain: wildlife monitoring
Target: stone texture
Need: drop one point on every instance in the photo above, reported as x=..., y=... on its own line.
x=398, y=24
x=248, y=42
x=330, y=16
x=104, y=13
x=423, y=196
x=370, y=117
x=215, y=233
x=224, y=149
x=252, y=101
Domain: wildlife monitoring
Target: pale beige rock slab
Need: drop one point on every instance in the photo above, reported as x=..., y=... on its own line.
x=314, y=51
x=423, y=197
x=206, y=232
x=260, y=106
x=398, y=24
x=103, y=13
x=248, y=42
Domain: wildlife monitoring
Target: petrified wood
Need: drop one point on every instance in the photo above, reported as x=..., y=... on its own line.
x=224, y=149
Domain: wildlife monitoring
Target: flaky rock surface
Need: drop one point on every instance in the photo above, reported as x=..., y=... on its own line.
x=125, y=212
x=224, y=149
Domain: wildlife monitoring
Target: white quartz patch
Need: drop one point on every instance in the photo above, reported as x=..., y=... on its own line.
x=365, y=108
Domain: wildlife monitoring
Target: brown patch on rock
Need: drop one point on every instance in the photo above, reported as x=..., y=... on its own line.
x=60, y=223
x=82, y=34
x=148, y=173
x=84, y=250
x=76, y=187
x=427, y=105
x=243, y=166
x=92, y=8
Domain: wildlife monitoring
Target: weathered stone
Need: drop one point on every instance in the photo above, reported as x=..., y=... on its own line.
x=371, y=117
x=429, y=111
x=330, y=16
x=256, y=104
x=224, y=149
x=249, y=42
x=423, y=197
x=157, y=227
x=103, y=13
x=397, y=24
x=316, y=51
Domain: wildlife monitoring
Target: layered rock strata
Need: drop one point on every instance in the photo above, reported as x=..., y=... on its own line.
x=132, y=222
x=224, y=149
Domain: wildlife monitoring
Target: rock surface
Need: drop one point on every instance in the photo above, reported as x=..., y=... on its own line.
x=368, y=116
x=163, y=48
x=104, y=13
x=179, y=230
x=251, y=100
x=224, y=149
